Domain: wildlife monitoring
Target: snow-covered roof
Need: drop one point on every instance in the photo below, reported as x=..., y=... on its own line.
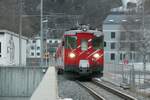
x=121, y=18
x=12, y=33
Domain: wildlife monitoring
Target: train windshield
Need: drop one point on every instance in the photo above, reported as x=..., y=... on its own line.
x=84, y=44
x=98, y=42
x=71, y=42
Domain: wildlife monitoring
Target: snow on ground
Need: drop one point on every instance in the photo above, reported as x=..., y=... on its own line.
x=140, y=66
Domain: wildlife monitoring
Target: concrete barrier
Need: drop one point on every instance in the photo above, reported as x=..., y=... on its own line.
x=19, y=81
x=47, y=89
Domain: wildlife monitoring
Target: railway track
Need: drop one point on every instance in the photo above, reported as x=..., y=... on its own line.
x=101, y=91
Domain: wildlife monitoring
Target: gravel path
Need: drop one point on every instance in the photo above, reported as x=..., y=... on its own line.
x=70, y=89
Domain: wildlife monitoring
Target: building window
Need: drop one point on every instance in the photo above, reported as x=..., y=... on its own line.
x=122, y=36
x=38, y=54
x=32, y=47
x=121, y=56
x=38, y=48
x=33, y=41
x=50, y=41
x=1, y=32
x=112, y=45
x=124, y=56
x=56, y=41
x=112, y=56
x=105, y=44
x=113, y=35
x=132, y=47
x=32, y=54
x=132, y=56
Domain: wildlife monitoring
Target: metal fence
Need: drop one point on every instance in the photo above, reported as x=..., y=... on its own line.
x=127, y=75
x=19, y=81
x=37, y=62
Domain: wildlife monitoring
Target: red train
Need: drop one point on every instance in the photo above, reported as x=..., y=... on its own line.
x=81, y=51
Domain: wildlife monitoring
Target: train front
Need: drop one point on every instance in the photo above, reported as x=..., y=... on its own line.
x=84, y=52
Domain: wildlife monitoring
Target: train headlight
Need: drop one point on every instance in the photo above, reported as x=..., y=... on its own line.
x=84, y=29
x=72, y=55
x=96, y=55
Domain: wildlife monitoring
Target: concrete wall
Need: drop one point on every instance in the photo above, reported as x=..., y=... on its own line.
x=19, y=81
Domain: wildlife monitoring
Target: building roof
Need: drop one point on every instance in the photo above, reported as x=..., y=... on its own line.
x=12, y=33
x=122, y=18
x=115, y=19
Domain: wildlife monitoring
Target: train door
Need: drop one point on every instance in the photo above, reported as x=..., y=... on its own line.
x=84, y=42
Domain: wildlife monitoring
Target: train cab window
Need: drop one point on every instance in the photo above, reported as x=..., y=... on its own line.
x=84, y=44
x=98, y=42
x=70, y=42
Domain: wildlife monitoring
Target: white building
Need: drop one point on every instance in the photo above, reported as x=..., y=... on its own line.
x=52, y=41
x=114, y=33
x=34, y=46
x=9, y=48
x=126, y=7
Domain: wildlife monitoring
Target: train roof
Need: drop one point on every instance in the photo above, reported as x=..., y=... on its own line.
x=74, y=32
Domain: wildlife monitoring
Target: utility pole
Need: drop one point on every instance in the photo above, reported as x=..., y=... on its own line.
x=41, y=33
x=45, y=29
x=143, y=26
x=20, y=33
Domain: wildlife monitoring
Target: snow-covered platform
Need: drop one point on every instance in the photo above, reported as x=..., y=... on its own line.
x=47, y=89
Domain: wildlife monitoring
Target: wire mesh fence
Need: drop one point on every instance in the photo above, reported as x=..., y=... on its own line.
x=128, y=75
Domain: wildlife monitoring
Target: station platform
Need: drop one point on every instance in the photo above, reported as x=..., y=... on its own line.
x=47, y=89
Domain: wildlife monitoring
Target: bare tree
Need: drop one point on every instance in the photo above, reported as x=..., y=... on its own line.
x=136, y=35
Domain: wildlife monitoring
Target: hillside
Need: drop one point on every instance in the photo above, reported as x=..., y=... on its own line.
x=90, y=12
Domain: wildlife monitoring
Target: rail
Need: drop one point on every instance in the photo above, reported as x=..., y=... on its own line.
x=92, y=92
x=114, y=91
